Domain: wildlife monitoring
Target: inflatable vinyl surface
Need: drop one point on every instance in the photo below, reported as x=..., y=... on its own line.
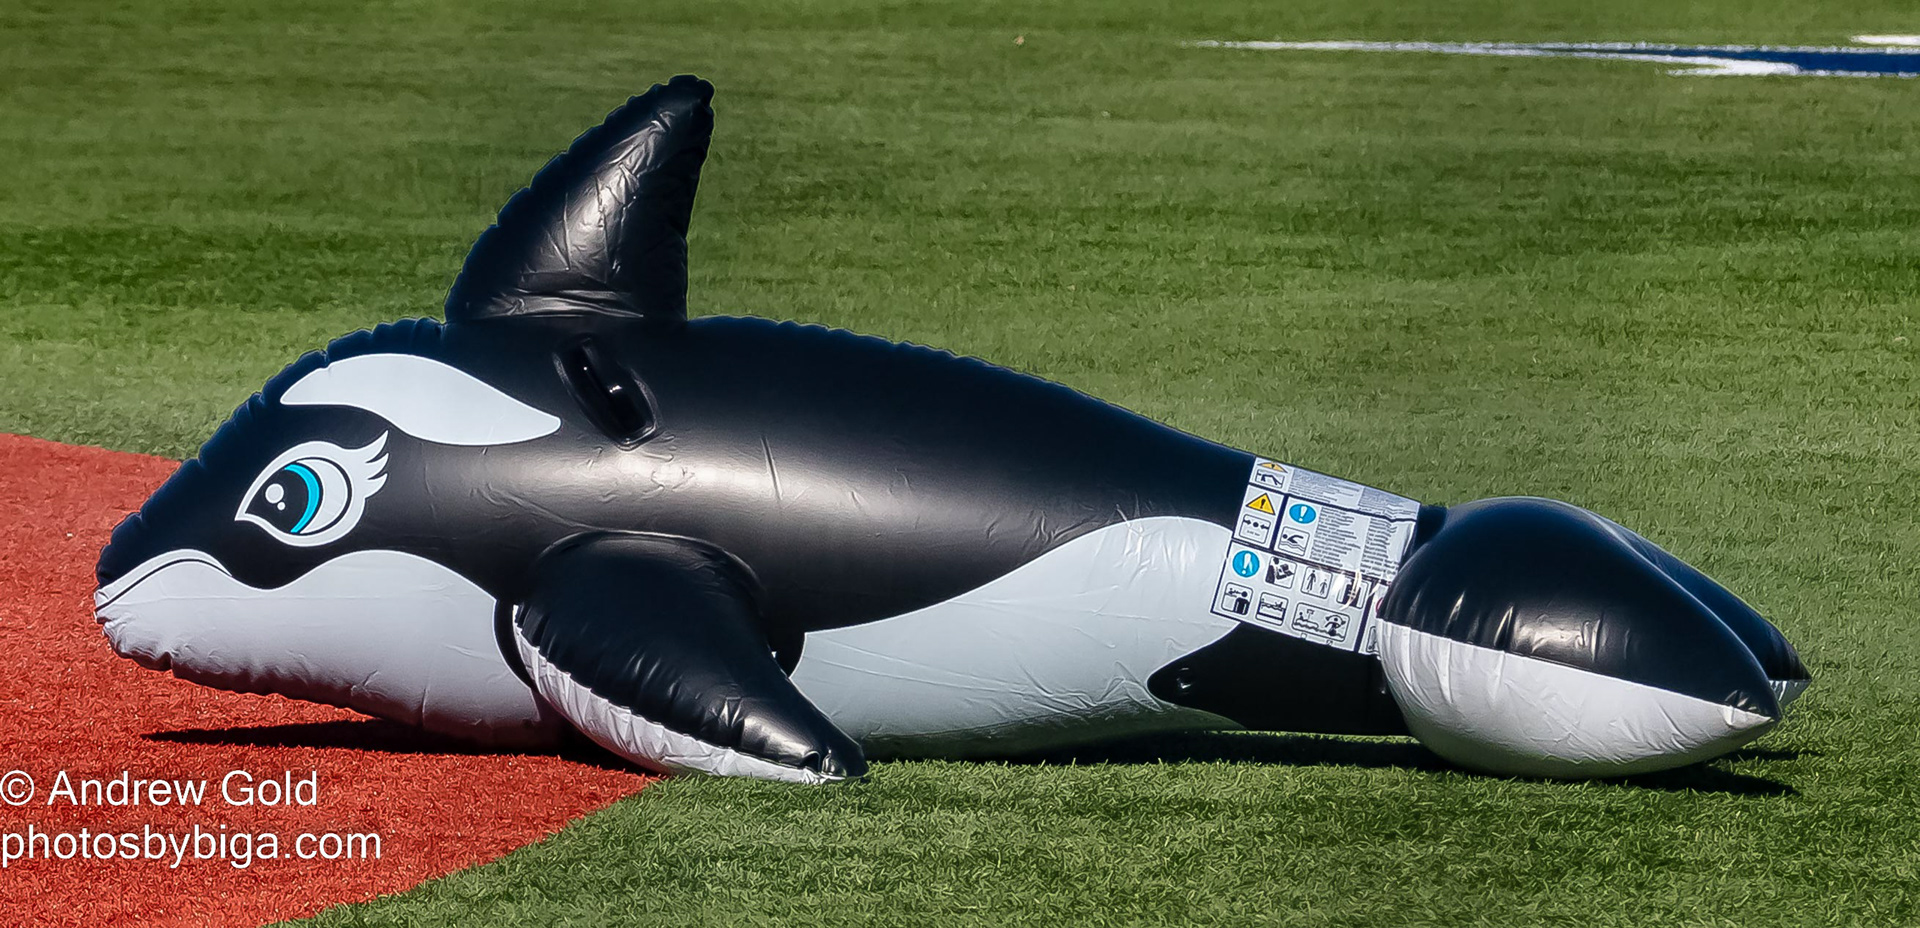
x=750, y=547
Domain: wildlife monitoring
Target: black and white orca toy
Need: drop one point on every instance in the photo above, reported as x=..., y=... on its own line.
x=757, y=548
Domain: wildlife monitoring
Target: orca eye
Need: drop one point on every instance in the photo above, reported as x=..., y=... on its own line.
x=314, y=493
x=305, y=497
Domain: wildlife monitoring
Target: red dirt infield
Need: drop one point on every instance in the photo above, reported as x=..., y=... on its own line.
x=67, y=704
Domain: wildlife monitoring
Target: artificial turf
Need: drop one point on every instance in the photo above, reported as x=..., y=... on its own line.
x=1688, y=303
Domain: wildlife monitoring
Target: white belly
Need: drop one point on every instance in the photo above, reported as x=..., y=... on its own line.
x=1059, y=650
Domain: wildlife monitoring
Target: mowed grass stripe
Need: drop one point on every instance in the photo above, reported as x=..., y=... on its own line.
x=1687, y=303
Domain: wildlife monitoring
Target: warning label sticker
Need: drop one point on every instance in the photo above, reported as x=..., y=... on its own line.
x=1313, y=555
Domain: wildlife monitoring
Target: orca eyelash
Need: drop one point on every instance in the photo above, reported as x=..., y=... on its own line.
x=315, y=492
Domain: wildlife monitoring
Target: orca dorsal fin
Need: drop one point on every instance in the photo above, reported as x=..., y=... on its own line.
x=603, y=227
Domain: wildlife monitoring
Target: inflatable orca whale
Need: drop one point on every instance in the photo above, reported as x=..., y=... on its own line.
x=756, y=548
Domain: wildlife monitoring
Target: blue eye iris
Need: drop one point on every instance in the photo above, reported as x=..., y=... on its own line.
x=312, y=481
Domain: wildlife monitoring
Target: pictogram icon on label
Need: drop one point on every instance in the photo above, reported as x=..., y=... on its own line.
x=1293, y=540
x=1323, y=624
x=1254, y=528
x=1351, y=592
x=1317, y=582
x=1235, y=600
x=1280, y=572
x=1269, y=474
x=1258, y=515
x=1271, y=608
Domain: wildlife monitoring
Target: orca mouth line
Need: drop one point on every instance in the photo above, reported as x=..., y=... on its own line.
x=110, y=593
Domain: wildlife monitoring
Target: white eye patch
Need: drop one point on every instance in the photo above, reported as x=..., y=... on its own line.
x=424, y=398
x=314, y=492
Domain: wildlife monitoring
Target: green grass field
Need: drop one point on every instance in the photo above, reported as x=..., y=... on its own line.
x=1692, y=304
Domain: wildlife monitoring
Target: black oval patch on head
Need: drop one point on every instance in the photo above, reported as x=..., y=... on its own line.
x=608, y=393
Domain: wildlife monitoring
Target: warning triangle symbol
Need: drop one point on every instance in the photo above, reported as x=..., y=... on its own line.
x=1261, y=504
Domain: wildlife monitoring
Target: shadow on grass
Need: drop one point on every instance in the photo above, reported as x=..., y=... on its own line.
x=382, y=737
x=1318, y=750
x=1188, y=747
x=1769, y=754
x=1243, y=748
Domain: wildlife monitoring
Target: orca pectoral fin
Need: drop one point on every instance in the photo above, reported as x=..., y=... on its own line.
x=651, y=645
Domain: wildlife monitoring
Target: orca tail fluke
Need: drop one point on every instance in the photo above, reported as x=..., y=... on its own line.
x=603, y=227
x=1530, y=637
